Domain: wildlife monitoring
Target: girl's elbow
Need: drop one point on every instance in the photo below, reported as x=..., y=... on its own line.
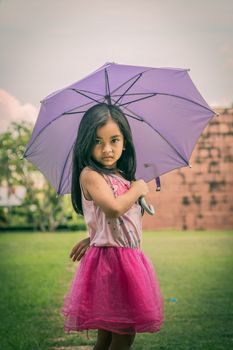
x=113, y=213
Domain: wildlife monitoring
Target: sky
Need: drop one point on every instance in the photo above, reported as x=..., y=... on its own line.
x=49, y=44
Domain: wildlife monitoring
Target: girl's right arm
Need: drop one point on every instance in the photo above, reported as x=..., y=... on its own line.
x=100, y=192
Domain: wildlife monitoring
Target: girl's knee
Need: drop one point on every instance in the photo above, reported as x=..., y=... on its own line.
x=132, y=339
x=125, y=340
x=104, y=340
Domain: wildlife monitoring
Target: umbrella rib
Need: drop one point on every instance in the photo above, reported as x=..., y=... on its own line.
x=139, y=99
x=90, y=92
x=63, y=169
x=180, y=155
x=186, y=99
x=83, y=105
x=164, y=94
x=131, y=116
x=136, y=94
x=81, y=93
x=59, y=116
x=45, y=126
x=68, y=113
x=107, y=88
x=134, y=82
x=145, y=121
x=134, y=77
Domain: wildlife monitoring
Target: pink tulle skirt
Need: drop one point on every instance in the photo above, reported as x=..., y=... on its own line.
x=115, y=289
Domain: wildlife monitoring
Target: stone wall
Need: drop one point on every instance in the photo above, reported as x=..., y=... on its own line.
x=200, y=197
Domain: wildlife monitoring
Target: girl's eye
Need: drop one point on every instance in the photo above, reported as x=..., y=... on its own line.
x=99, y=142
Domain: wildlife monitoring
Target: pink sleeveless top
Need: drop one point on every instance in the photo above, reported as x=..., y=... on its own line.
x=124, y=231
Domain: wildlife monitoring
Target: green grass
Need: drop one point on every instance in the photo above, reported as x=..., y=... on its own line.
x=193, y=267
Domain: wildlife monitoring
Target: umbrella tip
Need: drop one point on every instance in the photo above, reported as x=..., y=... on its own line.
x=190, y=165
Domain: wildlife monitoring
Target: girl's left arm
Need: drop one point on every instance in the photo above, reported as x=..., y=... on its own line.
x=80, y=249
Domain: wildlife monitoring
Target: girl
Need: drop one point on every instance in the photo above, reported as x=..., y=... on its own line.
x=115, y=289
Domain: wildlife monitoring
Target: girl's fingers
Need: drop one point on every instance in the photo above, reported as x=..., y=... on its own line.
x=76, y=253
x=79, y=254
x=75, y=249
x=79, y=250
x=72, y=251
x=82, y=253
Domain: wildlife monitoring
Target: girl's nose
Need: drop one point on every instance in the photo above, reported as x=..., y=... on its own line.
x=107, y=148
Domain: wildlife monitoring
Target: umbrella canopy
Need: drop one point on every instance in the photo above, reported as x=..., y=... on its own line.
x=165, y=111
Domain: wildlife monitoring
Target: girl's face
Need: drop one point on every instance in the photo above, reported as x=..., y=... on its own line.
x=109, y=144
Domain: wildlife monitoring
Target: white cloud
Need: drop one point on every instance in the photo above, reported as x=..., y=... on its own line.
x=222, y=102
x=227, y=56
x=12, y=110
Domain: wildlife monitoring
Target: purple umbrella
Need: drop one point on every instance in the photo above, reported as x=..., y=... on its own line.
x=164, y=108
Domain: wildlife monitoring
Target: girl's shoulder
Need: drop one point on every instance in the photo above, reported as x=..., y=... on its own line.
x=86, y=170
x=90, y=175
x=89, y=170
x=89, y=179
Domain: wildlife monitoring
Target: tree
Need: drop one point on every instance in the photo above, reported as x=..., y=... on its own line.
x=41, y=207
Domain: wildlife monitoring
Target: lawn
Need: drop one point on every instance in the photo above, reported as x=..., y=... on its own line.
x=194, y=270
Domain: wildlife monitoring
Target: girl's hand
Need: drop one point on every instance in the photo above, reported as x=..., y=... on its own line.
x=141, y=187
x=80, y=249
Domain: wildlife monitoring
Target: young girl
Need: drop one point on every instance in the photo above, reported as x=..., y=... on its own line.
x=115, y=289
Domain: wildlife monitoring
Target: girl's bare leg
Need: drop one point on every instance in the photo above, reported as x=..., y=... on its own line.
x=121, y=341
x=104, y=340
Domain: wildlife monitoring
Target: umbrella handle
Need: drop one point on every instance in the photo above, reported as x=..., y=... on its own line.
x=148, y=208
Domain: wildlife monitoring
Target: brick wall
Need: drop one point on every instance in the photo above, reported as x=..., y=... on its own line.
x=201, y=197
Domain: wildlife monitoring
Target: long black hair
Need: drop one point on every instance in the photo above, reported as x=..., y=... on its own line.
x=95, y=117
